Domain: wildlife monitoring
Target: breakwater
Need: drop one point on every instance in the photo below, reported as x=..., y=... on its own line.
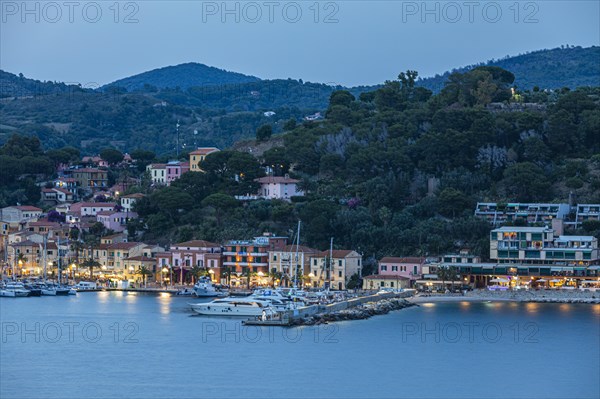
x=352, y=309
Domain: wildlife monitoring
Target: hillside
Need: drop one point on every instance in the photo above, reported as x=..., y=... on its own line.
x=220, y=107
x=183, y=76
x=12, y=85
x=549, y=69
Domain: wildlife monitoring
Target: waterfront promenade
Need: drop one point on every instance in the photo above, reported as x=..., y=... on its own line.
x=551, y=296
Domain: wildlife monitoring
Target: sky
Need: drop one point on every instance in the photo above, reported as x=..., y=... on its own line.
x=337, y=42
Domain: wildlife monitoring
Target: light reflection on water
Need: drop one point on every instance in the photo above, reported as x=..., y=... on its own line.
x=350, y=354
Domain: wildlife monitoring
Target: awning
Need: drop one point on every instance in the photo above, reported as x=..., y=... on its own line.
x=487, y=267
x=499, y=280
x=594, y=268
x=540, y=281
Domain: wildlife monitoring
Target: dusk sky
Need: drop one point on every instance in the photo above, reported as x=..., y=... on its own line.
x=345, y=42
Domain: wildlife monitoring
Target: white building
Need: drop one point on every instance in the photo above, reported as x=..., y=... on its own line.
x=158, y=173
x=20, y=213
x=127, y=201
x=279, y=187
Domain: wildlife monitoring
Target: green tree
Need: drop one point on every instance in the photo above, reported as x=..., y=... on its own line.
x=221, y=203
x=111, y=155
x=452, y=202
x=264, y=133
x=526, y=182
x=91, y=264
x=145, y=273
x=290, y=124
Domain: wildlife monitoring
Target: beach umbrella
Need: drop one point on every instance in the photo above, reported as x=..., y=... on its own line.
x=540, y=281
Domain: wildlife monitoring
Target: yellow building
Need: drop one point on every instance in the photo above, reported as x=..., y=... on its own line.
x=198, y=156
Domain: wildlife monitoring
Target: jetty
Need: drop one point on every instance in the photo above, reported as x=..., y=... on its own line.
x=351, y=309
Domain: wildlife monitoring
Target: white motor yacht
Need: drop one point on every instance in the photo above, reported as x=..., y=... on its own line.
x=233, y=307
x=14, y=289
x=205, y=288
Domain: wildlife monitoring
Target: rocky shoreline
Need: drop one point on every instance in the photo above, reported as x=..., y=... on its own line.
x=360, y=312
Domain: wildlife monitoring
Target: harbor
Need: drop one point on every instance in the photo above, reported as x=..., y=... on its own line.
x=108, y=325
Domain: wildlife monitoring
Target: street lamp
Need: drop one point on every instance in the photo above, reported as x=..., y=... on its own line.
x=164, y=272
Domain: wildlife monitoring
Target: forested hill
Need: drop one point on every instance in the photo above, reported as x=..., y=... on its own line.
x=183, y=76
x=549, y=69
x=220, y=107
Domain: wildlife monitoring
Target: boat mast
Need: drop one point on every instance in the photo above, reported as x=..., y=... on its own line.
x=58, y=253
x=330, y=264
x=296, y=258
x=45, y=255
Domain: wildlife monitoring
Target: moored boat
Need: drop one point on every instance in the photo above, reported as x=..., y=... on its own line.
x=205, y=288
x=233, y=307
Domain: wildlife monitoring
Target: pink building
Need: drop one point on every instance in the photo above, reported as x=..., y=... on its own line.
x=199, y=253
x=278, y=187
x=409, y=268
x=175, y=169
x=115, y=221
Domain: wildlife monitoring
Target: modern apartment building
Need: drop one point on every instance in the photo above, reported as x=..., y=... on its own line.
x=498, y=214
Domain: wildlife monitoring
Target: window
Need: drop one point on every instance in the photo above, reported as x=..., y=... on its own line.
x=394, y=268
x=383, y=268
x=314, y=262
x=340, y=263
x=340, y=273
x=275, y=258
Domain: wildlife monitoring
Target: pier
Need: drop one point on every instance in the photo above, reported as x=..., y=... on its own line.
x=351, y=309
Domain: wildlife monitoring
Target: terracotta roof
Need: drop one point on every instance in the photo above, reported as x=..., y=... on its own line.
x=26, y=208
x=62, y=190
x=158, y=165
x=301, y=248
x=197, y=244
x=89, y=170
x=43, y=223
x=337, y=253
x=134, y=195
x=276, y=180
x=204, y=151
x=26, y=243
x=142, y=258
x=384, y=277
x=113, y=236
x=105, y=213
x=79, y=205
x=124, y=245
x=391, y=259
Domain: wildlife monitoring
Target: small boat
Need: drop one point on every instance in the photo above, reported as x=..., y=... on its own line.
x=34, y=289
x=186, y=292
x=205, y=288
x=14, y=289
x=55, y=290
x=7, y=293
x=72, y=291
x=233, y=307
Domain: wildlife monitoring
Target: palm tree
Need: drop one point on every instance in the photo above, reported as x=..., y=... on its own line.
x=446, y=273
x=275, y=276
x=21, y=260
x=144, y=272
x=196, y=272
x=90, y=264
x=77, y=246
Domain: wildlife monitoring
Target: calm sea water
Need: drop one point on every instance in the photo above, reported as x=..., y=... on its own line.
x=109, y=345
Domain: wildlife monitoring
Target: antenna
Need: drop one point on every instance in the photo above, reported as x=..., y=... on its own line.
x=177, y=128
